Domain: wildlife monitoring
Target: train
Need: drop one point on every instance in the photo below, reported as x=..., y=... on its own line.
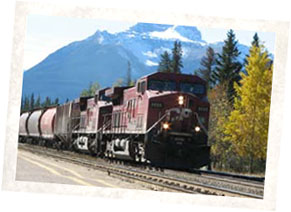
x=161, y=120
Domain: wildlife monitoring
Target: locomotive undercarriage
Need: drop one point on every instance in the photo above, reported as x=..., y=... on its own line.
x=124, y=146
x=119, y=146
x=179, y=152
x=159, y=149
x=84, y=142
x=163, y=150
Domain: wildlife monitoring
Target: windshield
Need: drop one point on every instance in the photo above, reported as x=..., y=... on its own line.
x=192, y=88
x=162, y=85
x=104, y=98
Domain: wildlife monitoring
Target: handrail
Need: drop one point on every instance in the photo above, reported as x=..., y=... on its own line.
x=101, y=128
x=156, y=123
x=76, y=127
x=200, y=123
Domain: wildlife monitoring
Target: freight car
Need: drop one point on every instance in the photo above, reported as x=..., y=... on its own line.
x=37, y=126
x=162, y=120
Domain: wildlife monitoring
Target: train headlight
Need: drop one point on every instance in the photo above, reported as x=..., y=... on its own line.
x=166, y=126
x=197, y=129
x=181, y=100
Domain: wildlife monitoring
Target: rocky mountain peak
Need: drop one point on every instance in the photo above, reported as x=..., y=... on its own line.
x=147, y=27
x=190, y=32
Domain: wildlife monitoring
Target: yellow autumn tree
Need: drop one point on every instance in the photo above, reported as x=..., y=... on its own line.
x=219, y=112
x=247, y=126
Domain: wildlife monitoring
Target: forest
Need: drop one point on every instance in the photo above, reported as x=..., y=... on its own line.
x=240, y=97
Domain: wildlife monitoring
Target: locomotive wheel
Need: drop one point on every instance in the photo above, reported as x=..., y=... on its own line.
x=92, y=148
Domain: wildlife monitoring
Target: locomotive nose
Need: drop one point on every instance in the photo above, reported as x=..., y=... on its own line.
x=178, y=119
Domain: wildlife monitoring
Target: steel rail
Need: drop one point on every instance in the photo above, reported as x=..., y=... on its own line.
x=151, y=178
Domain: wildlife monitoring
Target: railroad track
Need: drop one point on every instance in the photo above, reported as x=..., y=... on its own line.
x=187, y=182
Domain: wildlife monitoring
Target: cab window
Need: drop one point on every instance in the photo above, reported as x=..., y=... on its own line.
x=194, y=88
x=141, y=87
x=162, y=85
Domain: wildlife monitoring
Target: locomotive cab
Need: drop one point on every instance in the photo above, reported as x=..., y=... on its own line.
x=177, y=120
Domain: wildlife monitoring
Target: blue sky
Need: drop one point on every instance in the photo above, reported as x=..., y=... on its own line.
x=46, y=34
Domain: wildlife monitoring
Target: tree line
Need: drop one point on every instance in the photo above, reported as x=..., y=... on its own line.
x=29, y=102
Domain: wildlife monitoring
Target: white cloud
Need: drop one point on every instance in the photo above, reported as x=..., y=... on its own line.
x=151, y=63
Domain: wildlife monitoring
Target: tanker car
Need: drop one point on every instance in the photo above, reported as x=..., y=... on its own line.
x=162, y=120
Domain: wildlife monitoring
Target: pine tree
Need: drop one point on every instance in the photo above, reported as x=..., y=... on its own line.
x=56, y=101
x=256, y=40
x=247, y=127
x=31, y=105
x=128, y=75
x=22, y=105
x=207, y=64
x=26, y=104
x=165, y=63
x=47, y=102
x=176, y=63
x=37, y=102
x=228, y=67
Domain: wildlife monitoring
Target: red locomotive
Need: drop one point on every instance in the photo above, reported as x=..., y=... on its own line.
x=163, y=120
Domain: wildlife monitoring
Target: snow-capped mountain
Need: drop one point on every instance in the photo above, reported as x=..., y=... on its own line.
x=104, y=56
x=149, y=41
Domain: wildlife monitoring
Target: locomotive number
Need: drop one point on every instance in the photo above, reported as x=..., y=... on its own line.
x=156, y=104
x=203, y=109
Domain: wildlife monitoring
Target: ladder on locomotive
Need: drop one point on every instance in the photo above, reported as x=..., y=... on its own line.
x=114, y=123
x=119, y=122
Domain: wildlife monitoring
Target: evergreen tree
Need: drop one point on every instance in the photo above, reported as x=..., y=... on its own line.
x=165, y=63
x=227, y=65
x=176, y=63
x=37, y=102
x=22, y=104
x=128, y=75
x=26, y=104
x=247, y=127
x=31, y=105
x=47, y=102
x=256, y=40
x=207, y=64
x=56, y=101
